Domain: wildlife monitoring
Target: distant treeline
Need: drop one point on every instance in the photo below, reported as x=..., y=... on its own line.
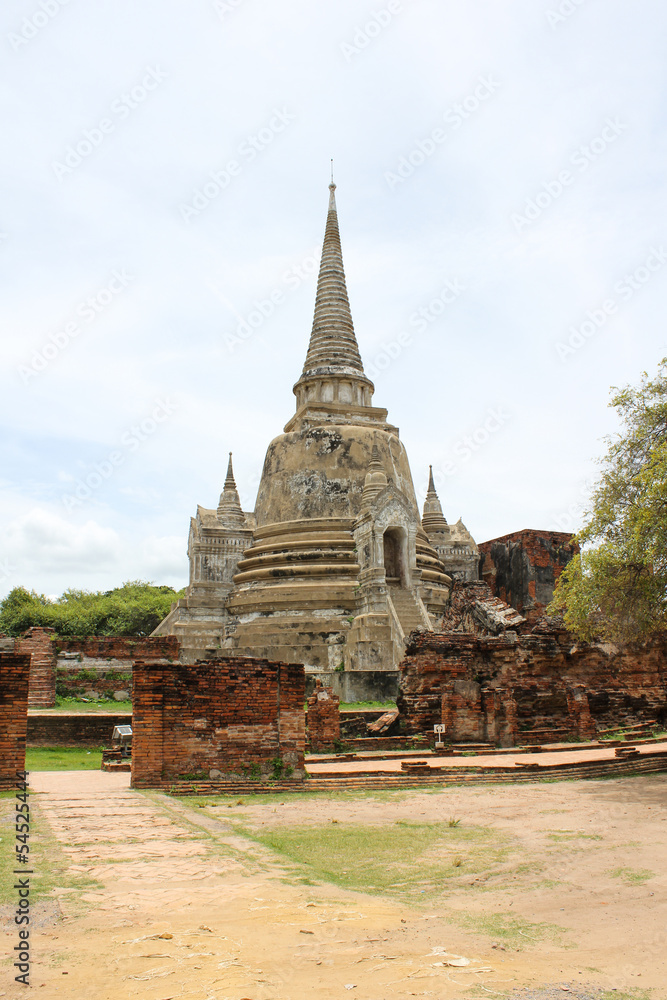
x=135, y=609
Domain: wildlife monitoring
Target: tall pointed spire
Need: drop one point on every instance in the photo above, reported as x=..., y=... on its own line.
x=229, y=510
x=433, y=520
x=332, y=341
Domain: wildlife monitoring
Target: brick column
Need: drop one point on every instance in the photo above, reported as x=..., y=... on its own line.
x=580, y=712
x=147, y=723
x=323, y=717
x=38, y=644
x=291, y=715
x=14, y=674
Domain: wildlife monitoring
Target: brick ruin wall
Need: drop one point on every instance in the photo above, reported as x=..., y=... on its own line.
x=95, y=667
x=61, y=729
x=323, y=719
x=14, y=677
x=522, y=568
x=75, y=665
x=224, y=718
x=528, y=688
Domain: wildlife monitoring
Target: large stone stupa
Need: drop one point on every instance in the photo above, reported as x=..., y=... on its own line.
x=334, y=567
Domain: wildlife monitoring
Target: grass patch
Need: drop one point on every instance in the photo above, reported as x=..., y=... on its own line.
x=626, y=995
x=271, y=798
x=635, y=876
x=510, y=929
x=63, y=759
x=559, y=835
x=47, y=860
x=412, y=862
x=72, y=704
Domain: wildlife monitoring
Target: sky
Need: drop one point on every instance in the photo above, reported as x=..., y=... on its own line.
x=502, y=194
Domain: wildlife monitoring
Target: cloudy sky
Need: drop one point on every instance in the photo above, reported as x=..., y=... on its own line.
x=502, y=181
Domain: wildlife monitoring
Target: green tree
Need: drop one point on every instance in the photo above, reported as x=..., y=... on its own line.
x=616, y=589
x=135, y=609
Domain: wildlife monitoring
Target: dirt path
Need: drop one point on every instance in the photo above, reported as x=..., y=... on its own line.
x=186, y=907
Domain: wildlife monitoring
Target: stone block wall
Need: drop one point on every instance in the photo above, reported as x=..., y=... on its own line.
x=37, y=643
x=323, y=717
x=508, y=686
x=522, y=568
x=14, y=679
x=224, y=718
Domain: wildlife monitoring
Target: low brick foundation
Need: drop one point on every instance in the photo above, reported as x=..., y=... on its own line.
x=74, y=729
x=217, y=718
x=14, y=679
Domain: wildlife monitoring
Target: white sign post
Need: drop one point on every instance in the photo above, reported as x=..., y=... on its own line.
x=439, y=731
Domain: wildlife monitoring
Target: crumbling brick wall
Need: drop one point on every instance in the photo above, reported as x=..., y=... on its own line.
x=14, y=679
x=323, y=719
x=119, y=648
x=37, y=643
x=228, y=718
x=543, y=681
x=522, y=568
x=98, y=666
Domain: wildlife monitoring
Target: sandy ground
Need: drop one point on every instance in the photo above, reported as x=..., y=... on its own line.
x=186, y=907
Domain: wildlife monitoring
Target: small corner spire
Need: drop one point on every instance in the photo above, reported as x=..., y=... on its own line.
x=230, y=512
x=433, y=519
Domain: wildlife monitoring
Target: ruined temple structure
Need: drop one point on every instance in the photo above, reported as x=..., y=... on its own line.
x=522, y=568
x=492, y=676
x=335, y=566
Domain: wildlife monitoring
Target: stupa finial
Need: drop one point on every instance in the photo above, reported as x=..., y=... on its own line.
x=433, y=519
x=229, y=509
x=333, y=344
